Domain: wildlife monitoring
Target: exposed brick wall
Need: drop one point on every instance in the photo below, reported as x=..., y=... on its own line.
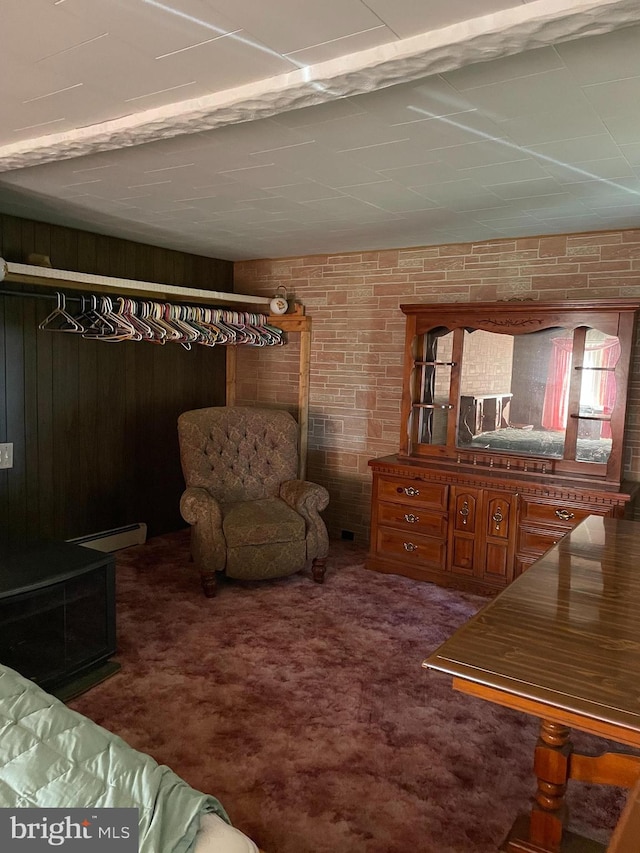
x=486, y=363
x=358, y=336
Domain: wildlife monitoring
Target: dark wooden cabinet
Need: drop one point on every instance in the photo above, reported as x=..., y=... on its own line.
x=512, y=429
x=57, y=613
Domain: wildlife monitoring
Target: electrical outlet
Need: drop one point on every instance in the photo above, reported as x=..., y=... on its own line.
x=6, y=455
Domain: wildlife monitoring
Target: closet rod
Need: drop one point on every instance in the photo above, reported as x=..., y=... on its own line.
x=32, y=295
x=68, y=279
x=297, y=321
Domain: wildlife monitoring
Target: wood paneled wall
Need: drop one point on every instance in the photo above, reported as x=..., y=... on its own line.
x=93, y=424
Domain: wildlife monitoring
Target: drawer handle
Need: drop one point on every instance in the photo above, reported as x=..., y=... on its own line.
x=464, y=512
x=409, y=546
x=498, y=517
x=409, y=490
x=564, y=514
x=410, y=518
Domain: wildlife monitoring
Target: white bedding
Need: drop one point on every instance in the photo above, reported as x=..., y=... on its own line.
x=216, y=836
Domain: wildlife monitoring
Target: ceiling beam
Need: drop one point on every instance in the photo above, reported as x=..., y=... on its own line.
x=530, y=25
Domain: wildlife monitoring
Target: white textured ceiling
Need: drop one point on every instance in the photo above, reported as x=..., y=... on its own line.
x=252, y=129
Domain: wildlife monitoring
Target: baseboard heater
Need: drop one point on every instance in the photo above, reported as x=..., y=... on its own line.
x=113, y=540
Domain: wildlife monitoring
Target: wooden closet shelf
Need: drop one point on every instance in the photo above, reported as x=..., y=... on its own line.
x=71, y=280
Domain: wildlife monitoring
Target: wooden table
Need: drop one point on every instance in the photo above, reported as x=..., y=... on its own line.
x=562, y=643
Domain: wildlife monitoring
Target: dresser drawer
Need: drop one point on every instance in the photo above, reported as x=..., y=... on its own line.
x=557, y=514
x=523, y=562
x=412, y=492
x=411, y=547
x=413, y=518
x=537, y=542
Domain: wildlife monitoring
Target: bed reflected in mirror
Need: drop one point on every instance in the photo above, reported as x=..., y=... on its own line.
x=516, y=393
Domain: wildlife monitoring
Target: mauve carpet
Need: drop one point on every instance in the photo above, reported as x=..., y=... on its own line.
x=305, y=710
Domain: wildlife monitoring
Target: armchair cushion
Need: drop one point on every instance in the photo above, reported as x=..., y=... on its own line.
x=261, y=522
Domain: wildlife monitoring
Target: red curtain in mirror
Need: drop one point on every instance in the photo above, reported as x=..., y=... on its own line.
x=601, y=387
x=556, y=395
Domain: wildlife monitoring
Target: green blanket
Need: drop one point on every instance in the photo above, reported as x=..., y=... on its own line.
x=53, y=757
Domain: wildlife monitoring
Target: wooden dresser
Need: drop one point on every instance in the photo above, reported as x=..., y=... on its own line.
x=512, y=427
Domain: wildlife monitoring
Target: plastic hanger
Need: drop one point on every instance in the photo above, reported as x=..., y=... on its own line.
x=59, y=320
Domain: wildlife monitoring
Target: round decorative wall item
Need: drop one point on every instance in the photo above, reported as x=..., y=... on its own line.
x=279, y=304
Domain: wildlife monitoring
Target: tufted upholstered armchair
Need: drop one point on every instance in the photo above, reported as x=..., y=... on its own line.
x=249, y=515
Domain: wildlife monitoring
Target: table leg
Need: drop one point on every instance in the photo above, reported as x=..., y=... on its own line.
x=542, y=831
x=551, y=766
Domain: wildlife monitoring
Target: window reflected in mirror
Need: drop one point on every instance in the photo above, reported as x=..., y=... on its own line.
x=597, y=395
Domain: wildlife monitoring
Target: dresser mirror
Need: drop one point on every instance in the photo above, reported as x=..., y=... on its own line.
x=515, y=393
x=533, y=382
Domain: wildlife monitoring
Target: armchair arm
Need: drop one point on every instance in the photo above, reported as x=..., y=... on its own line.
x=309, y=499
x=203, y=513
x=197, y=505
